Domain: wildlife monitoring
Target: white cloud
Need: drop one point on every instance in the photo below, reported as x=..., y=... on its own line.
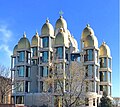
x=6, y=49
x=5, y=33
x=5, y=37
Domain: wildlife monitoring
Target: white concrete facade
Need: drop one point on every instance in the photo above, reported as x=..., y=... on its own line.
x=34, y=64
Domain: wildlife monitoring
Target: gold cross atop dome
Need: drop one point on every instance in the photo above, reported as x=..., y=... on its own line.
x=61, y=13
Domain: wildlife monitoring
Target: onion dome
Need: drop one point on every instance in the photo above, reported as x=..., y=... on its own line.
x=47, y=29
x=91, y=41
x=15, y=50
x=62, y=38
x=35, y=40
x=104, y=50
x=61, y=23
x=87, y=31
x=76, y=44
x=24, y=43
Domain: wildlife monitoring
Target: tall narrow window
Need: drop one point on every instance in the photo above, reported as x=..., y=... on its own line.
x=90, y=71
x=34, y=51
x=96, y=56
x=44, y=71
x=97, y=87
x=90, y=55
x=27, y=71
x=92, y=86
x=21, y=71
x=45, y=42
x=103, y=62
x=109, y=77
x=19, y=99
x=20, y=86
x=96, y=71
x=21, y=56
x=109, y=63
x=109, y=90
x=59, y=53
x=45, y=56
x=41, y=86
x=105, y=88
x=101, y=87
x=27, y=86
x=103, y=76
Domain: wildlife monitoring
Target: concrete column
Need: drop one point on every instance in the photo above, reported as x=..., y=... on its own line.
x=64, y=67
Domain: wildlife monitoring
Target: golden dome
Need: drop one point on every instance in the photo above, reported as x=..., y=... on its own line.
x=91, y=41
x=61, y=38
x=104, y=50
x=47, y=29
x=87, y=31
x=35, y=40
x=24, y=43
x=15, y=50
x=61, y=23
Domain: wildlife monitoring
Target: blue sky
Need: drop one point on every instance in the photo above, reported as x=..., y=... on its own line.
x=17, y=16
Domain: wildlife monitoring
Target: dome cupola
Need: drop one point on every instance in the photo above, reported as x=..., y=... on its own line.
x=104, y=50
x=61, y=23
x=47, y=29
x=24, y=43
x=91, y=41
x=35, y=40
x=87, y=31
x=61, y=38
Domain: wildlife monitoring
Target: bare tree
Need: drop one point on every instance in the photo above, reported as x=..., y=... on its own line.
x=116, y=102
x=5, y=84
x=75, y=83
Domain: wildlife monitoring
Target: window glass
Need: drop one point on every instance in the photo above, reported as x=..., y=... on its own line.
x=97, y=87
x=103, y=62
x=45, y=56
x=93, y=86
x=27, y=86
x=21, y=56
x=41, y=86
x=34, y=51
x=21, y=71
x=45, y=42
x=103, y=76
x=20, y=86
x=27, y=71
x=96, y=71
x=44, y=71
x=28, y=57
x=109, y=62
x=19, y=99
x=89, y=55
x=89, y=69
x=109, y=90
x=34, y=61
x=109, y=77
x=105, y=88
x=96, y=56
x=60, y=53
